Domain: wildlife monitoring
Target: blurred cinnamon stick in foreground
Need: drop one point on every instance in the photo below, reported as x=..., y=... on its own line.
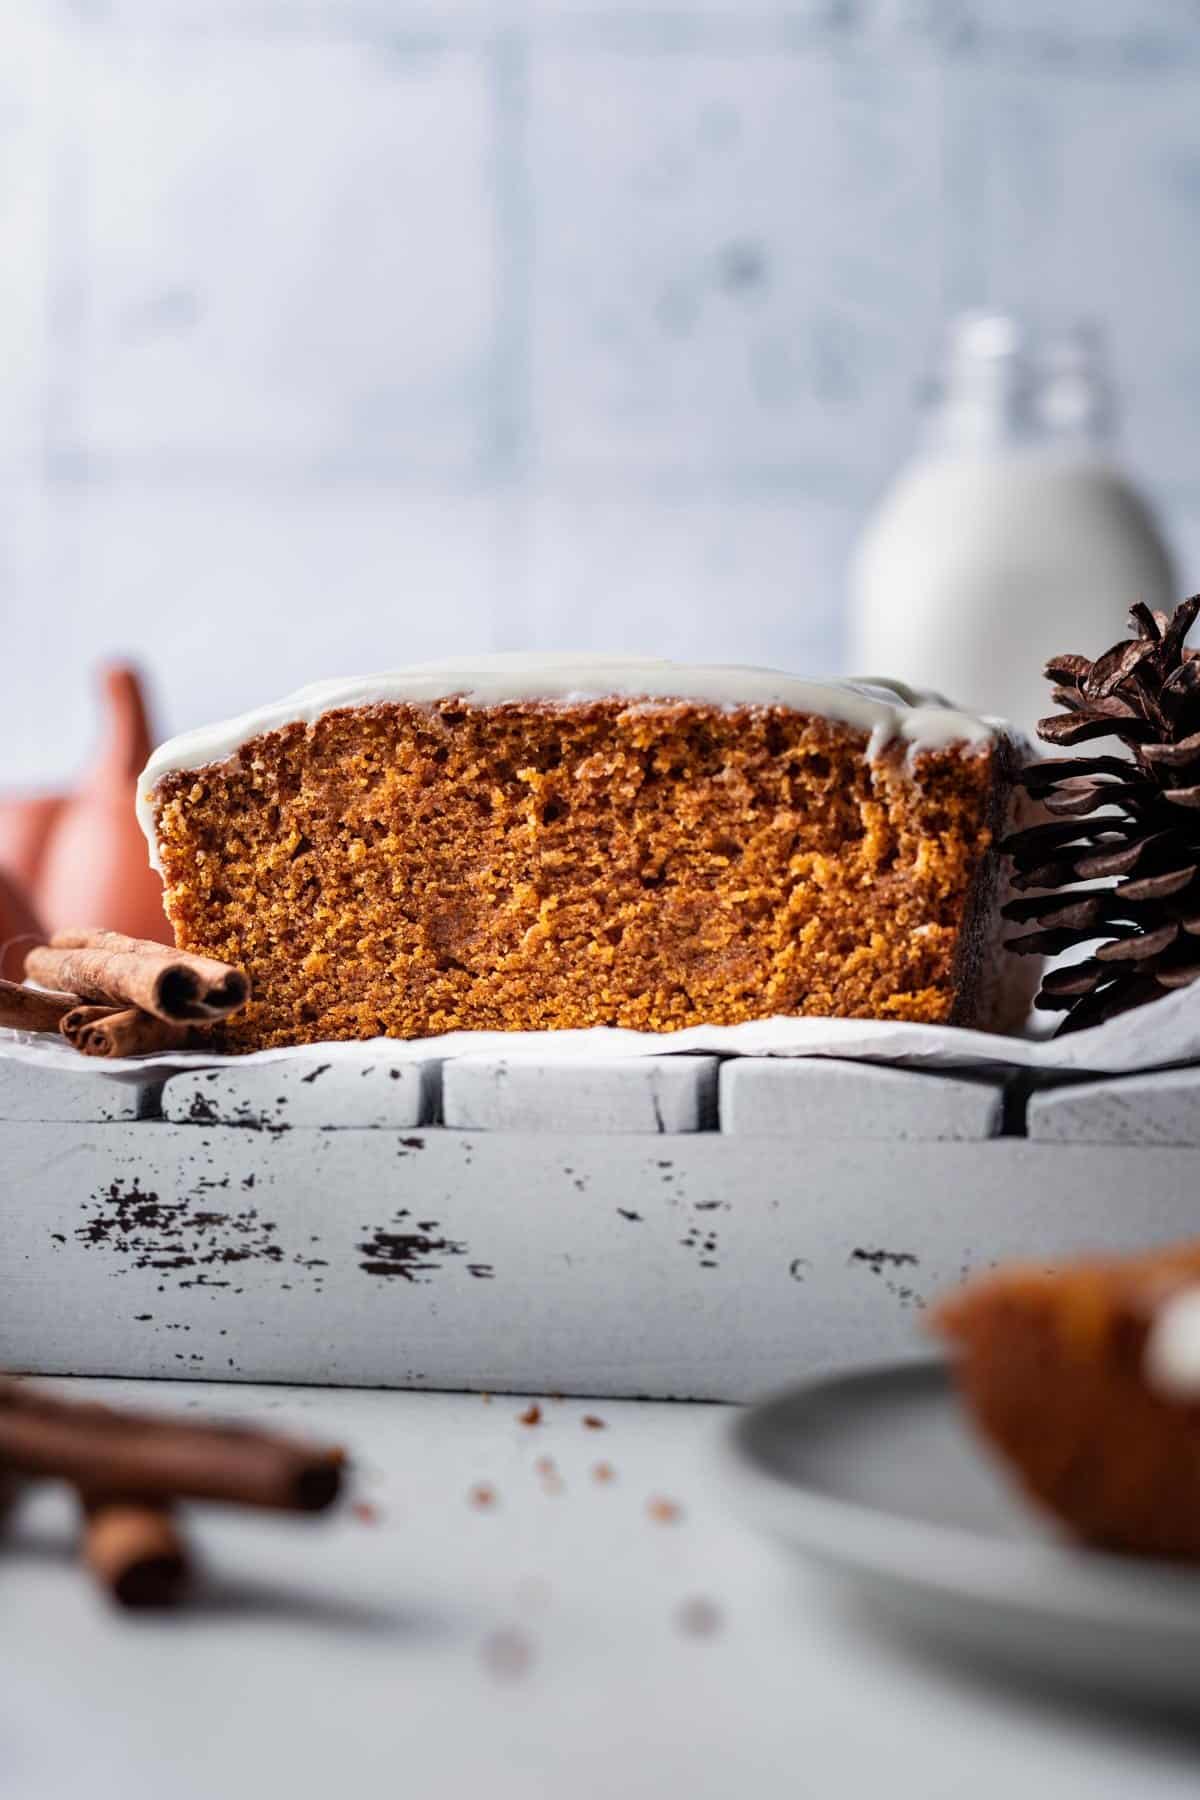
x=108, y=967
x=135, y=1551
x=137, y=1457
x=130, y=1469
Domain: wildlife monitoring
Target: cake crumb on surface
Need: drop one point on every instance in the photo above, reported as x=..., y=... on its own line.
x=699, y=1617
x=551, y=1480
x=508, y=1653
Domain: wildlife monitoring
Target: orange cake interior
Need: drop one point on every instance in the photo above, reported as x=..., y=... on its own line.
x=409, y=869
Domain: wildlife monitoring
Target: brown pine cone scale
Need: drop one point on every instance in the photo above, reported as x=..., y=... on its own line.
x=1129, y=823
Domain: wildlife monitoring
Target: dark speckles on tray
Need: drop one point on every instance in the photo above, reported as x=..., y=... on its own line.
x=243, y=1115
x=315, y=1074
x=140, y=1230
x=126, y=1208
x=704, y=1243
x=879, y=1262
x=635, y=1218
x=412, y=1255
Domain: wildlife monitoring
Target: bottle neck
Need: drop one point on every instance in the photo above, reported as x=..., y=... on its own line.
x=1002, y=389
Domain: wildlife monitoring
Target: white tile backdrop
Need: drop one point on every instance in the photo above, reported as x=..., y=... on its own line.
x=339, y=332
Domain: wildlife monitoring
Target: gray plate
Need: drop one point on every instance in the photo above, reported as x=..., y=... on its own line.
x=876, y=1474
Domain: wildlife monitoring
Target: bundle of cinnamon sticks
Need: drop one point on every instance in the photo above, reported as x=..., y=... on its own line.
x=112, y=995
x=130, y=1471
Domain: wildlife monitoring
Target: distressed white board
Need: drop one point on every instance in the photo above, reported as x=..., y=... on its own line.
x=27, y=1092
x=628, y=1094
x=819, y=1098
x=699, y=1265
x=372, y=1092
x=1159, y=1108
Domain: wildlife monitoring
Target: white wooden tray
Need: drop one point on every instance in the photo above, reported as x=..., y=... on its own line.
x=671, y=1226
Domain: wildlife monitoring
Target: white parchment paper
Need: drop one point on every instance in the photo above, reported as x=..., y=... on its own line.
x=1154, y=1036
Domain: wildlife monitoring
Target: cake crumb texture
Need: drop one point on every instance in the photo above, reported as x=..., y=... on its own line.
x=407, y=870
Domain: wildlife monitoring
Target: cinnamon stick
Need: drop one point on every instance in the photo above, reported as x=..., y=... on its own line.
x=72, y=1025
x=127, y=1033
x=107, y=966
x=29, y=1009
x=138, y=1458
x=135, y=1551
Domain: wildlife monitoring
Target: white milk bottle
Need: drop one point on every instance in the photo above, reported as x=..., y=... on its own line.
x=1012, y=535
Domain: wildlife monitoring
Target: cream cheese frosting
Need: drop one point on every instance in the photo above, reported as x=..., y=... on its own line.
x=1171, y=1358
x=885, y=711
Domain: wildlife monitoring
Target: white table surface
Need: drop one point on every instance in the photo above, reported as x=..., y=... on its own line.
x=347, y=1656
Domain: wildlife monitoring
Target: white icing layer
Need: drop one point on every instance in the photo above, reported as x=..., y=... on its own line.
x=883, y=710
x=1171, y=1359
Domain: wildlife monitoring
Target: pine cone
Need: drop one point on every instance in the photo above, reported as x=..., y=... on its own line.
x=1132, y=824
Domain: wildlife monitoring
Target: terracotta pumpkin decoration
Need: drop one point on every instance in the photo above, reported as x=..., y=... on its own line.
x=94, y=869
x=26, y=822
x=19, y=928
